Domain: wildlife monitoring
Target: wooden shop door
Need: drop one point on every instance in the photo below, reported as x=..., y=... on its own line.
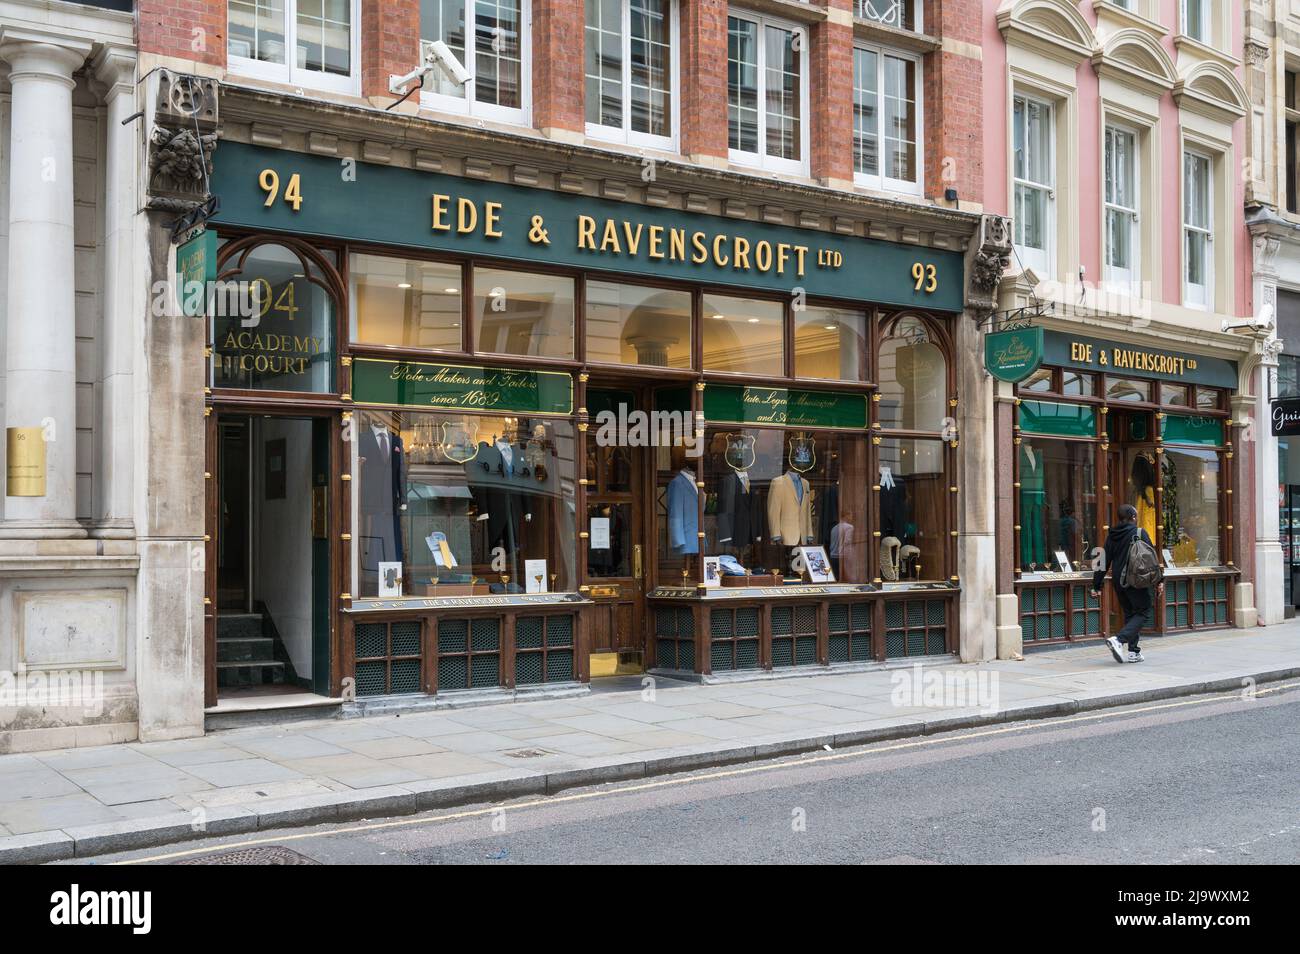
x=615, y=545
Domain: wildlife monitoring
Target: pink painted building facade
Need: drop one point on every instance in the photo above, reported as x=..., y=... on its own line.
x=1115, y=139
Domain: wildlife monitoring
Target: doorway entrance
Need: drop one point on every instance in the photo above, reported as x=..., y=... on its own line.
x=272, y=561
x=617, y=519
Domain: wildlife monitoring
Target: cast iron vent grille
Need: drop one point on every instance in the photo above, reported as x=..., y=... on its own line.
x=370, y=679
x=794, y=636
x=916, y=627
x=543, y=649
x=1042, y=612
x=528, y=632
x=734, y=638
x=453, y=636
x=675, y=639
x=1085, y=619
x=469, y=653
x=485, y=671
x=559, y=666
x=484, y=635
x=850, y=629
x=1196, y=603
x=389, y=658
x=405, y=675
x=370, y=640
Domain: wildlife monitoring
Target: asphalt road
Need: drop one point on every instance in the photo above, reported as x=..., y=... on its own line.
x=1205, y=780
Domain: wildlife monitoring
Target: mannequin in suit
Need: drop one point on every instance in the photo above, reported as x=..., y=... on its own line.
x=741, y=520
x=683, y=512
x=789, y=510
x=382, y=500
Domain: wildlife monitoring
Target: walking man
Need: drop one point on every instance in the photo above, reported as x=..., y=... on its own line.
x=1136, y=574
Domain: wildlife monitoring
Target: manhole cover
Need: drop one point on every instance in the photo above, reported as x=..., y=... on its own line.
x=263, y=855
x=527, y=753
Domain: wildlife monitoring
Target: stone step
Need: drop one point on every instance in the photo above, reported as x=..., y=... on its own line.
x=249, y=672
x=243, y=648
x=236, y=625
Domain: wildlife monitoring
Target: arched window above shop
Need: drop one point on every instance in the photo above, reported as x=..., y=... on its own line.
x=273, y=317
x=913, y=376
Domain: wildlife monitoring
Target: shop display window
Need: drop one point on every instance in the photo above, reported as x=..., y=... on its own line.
x=913, y=378
x=522, y=313
x=1190, y=485
x=1058, y=503
x=743, y=335
x=405, y=303
x=1140, y=487
x=462, y=504
x=634, y=324
x=913, y=509
x=769, y=491
x=830, y=343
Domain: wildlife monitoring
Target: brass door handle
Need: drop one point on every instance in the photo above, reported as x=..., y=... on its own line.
x=636, y=561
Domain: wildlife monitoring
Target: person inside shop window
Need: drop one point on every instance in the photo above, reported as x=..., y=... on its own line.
x=1143, y=476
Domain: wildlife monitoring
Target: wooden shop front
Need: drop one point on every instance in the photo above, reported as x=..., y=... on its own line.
x=553, y=436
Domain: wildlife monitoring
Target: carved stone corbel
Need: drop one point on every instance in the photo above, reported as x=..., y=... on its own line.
x=182, y=141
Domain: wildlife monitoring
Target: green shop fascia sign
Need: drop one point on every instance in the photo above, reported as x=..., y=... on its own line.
x=1121, y=359
x=733, y=404
x=305, y=194
x=448, y=387
x=1012, y=356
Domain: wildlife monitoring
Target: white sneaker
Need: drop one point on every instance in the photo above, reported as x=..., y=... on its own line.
x=1136, y=657
x=1112, y=643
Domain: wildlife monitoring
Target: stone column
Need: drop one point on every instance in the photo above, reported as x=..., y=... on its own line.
x=1270, y=591
x=977, y=550
x=40, y=354
x=114, y=70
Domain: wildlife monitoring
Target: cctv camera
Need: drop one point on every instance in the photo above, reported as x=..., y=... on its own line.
x=1263, y=322
x=437, y=57
x=439, y=52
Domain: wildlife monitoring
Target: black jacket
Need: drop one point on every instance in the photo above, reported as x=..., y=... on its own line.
x=1118, y=542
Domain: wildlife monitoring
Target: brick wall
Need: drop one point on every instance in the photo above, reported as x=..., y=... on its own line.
x=954, y=143
x=187, y=29
x=704, y=77
x=831, y=100
x=390, y=31
x=559, y=71
x=390, y=42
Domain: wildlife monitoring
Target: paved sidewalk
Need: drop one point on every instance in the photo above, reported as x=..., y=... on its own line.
x=83, y=802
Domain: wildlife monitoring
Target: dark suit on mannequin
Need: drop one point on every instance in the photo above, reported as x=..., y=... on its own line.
x=741, y=520
x=383, y=489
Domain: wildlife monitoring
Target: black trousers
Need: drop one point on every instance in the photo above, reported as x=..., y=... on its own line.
x=1136, y=606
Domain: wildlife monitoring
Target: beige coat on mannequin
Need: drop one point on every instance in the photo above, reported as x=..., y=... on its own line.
x=789, y=519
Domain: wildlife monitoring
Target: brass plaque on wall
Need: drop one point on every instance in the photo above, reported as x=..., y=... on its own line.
x=26, y=462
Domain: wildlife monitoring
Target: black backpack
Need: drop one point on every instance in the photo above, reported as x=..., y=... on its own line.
x=1142, y=570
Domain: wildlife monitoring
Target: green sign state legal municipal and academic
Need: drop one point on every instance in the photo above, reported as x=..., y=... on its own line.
x=733, y=404
x=312, y=195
